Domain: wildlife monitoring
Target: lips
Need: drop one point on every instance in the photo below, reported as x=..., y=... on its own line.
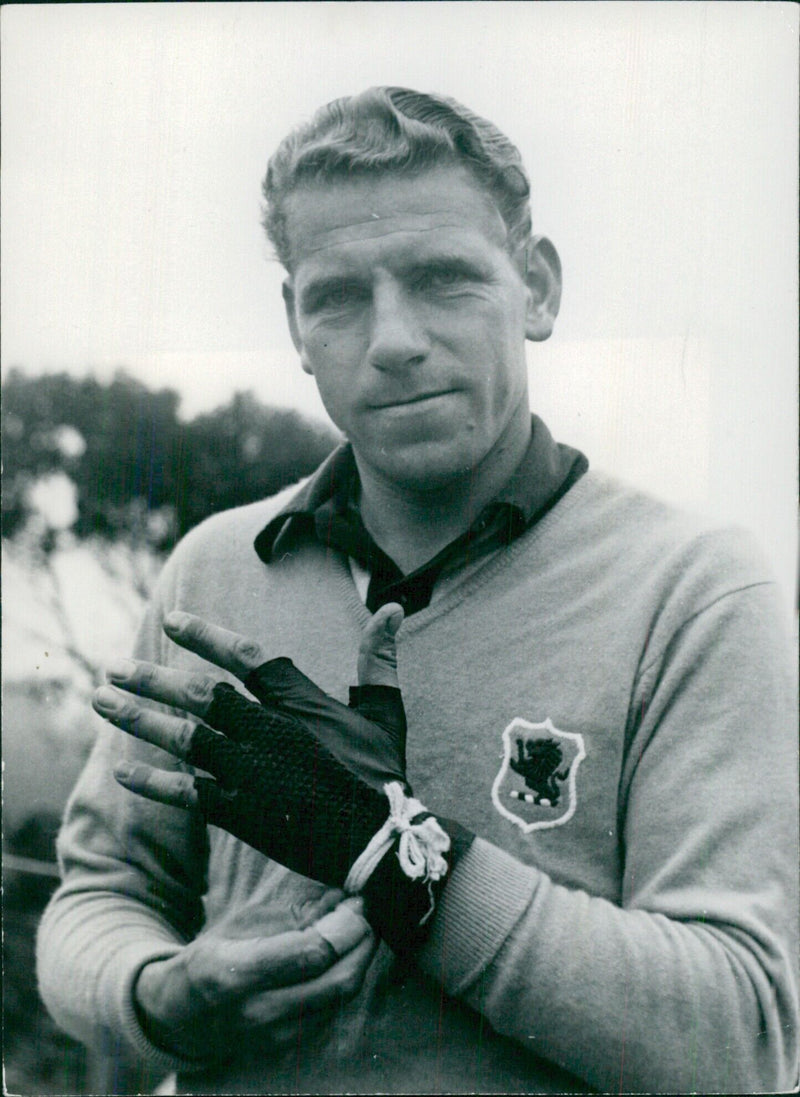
x=405, y=400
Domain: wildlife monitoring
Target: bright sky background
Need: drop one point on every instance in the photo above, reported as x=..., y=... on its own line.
x=662, y=143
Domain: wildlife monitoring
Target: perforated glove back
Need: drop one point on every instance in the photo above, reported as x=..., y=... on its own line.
x=302, y=778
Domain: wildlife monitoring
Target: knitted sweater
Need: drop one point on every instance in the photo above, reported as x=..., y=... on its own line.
x=626, y=918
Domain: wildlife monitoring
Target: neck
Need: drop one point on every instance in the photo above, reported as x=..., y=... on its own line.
x=411, y=523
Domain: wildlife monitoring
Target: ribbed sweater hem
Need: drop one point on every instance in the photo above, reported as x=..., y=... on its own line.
x=133, y=959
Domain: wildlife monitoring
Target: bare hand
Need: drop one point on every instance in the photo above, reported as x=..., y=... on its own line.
x=222, y=986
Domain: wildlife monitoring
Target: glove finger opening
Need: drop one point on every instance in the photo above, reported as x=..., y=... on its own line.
x=214, y=803
x=278, y=682
x=217, y=755
x=237, y=717
x=383, y=705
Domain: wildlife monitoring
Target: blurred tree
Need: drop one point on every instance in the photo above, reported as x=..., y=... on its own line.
x=138, y=470
x=245, y=451
x=111, y=469
x=116, y=442
x=99, y=480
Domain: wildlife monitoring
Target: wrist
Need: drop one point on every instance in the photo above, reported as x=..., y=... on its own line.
x=156, y=1000
x=402, y=909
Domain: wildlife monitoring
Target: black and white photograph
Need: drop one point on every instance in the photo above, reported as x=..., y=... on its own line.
x=400, y=547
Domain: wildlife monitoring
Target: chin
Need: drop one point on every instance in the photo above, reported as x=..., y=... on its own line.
x=427, y=466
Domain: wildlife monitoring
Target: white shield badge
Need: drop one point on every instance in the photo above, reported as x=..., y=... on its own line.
x=536, y=785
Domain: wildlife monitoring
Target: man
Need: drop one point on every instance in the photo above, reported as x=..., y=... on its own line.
x=600, y=732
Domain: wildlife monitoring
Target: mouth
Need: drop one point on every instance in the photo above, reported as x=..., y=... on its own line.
x=410, y=401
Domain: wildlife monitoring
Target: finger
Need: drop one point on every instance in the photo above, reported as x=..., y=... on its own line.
x=238, y=968
x=383, y=705
x=190, y=742
x=178, y=689
x=175, y=789
x=377, y=697
x=344, y=927
x=171, y=733
x=377, y=656
x=341, y=981
x=297, y=957
x=217, y=645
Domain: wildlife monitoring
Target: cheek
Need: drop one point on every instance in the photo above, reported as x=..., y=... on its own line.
x=504, y=387
x=333, y=393
x=329, y=347
x=494, y=351
x=323, y=353
x=337, y=385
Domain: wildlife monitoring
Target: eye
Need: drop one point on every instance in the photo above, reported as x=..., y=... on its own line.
x=335, y=295
x=444, y=276
x=341, y=294
x=440, y=278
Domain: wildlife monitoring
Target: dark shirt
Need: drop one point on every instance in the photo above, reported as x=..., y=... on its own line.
x=327, y=508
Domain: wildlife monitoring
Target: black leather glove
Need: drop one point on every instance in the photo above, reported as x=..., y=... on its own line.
x=310, y=783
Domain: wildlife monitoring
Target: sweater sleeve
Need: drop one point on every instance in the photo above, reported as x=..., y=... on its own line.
x=133, y=875
x=689, y=984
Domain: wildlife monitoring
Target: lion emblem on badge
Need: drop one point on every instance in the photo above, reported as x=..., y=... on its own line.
x=536, y=786
x=537, y=761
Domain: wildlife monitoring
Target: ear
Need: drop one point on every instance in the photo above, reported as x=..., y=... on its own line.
x=291, y=317
x=543, y=278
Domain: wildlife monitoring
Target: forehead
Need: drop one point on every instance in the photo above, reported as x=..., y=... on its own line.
x=371, y=216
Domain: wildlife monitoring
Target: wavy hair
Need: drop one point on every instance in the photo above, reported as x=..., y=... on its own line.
x=389, y=129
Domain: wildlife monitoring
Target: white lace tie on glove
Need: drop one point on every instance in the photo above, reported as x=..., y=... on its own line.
x=420, y=848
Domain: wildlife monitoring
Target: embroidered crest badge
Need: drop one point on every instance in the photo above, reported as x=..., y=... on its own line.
x=535, y=787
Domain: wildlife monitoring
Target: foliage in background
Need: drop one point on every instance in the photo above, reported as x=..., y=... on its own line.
x=99, y=481
x=138, y=470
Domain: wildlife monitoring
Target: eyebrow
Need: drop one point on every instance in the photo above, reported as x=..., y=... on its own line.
x=461, y=264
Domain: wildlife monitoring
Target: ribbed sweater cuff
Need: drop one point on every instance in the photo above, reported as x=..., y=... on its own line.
x=484, y=900
x=132, y=960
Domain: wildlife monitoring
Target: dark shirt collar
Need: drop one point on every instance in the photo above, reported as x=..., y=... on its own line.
x=547, y=470
x=545, y=473
x=332, y=480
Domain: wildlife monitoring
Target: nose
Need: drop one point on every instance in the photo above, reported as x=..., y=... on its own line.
x=398, y=338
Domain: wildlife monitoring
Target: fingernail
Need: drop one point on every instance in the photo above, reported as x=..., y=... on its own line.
x=119, y=669
x=175, y=621
x=105, y=699
x=123, y=770
x=343, y=927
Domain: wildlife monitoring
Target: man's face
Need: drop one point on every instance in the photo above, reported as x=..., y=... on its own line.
x=411, y=315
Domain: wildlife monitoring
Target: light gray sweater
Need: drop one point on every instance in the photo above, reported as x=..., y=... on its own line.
x=637, y=927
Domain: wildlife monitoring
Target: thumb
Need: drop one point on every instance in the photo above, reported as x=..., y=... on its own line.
x=377, y=656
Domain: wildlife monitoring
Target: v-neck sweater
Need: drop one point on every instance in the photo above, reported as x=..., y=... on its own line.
x=633, y=929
